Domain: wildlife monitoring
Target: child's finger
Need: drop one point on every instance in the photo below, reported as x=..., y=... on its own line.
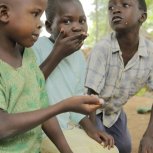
x=60, y=35
x=100, y=99
x=75, y=37
x=94, y=95
x=95, y=107
x=111, y=144
x=92, y=100
x=84, y=36
x=78, y=46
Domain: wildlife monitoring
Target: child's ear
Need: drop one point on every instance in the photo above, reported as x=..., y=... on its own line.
x=143, y=17
x=4, y=15
x=48, y=26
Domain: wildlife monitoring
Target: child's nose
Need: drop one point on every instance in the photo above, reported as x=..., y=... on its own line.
x=40, y=25
x=117, y=9
x=76, y=27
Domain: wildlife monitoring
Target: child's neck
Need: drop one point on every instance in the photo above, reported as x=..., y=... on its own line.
x=128, y=41
x=10, y=53
x=51, y=39
x=128, y=44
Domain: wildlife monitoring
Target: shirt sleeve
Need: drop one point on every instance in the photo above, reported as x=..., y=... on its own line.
x=81, y=72
x=3, y=104
x=44, y=98
x=43, y=93
x=96, y=67
x=79, y=90
x=38, y=52
x=150, y=80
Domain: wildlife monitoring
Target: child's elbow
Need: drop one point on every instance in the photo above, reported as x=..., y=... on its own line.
x=5, y=124
x=3, y=134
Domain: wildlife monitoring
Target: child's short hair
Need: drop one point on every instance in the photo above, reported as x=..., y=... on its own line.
x=142, y=5
x=53, y=6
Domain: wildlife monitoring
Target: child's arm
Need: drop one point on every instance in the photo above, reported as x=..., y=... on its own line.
x=89, y=125
x=92, y=116
x=63, y=47
x=146, y=143
x=100, y=136
x=13, y=124
x=54, y=132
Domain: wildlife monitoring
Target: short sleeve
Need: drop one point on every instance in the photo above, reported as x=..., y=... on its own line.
x=96, y=67
x=38, y=52
x=3, y=104
x=150, y=80
x=79, y=89
x=44, y=97
x=42, y=48
x=41, y=83
x=43, y=94
x=81, y=72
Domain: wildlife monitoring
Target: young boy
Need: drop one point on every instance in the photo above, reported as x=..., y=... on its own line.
x=118, y=67
x=23, y=100
x=68, y=77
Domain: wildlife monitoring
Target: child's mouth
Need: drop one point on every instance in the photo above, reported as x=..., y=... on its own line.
x=116, y=19
x=35, y=37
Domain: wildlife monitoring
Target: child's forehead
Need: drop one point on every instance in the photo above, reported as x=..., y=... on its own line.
x=121, y=1
x=68, y=6
x=30, y=3
x=70, y=3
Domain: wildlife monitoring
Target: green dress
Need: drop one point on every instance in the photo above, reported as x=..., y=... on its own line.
x=22, y=90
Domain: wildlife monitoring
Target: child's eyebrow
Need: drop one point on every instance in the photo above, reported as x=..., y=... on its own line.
x=112, y=1
x=67, y=16
x=37, y=9
x=70, y=16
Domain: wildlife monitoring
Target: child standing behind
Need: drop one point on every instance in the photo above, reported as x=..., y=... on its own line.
x=67, y=79
x=23, y=100
x=118, y=67
x=65, y=26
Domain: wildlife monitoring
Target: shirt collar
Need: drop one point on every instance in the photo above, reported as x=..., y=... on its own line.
x=115, y=45
x=142, y=48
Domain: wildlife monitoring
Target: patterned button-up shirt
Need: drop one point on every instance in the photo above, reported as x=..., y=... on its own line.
x=114, y=82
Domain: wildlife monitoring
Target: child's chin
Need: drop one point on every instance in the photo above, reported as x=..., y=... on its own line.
x=29, y=45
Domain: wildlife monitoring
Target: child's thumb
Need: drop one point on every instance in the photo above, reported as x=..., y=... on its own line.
x=95, y=107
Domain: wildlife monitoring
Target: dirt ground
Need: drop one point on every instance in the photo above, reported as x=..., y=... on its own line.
x=137, y=123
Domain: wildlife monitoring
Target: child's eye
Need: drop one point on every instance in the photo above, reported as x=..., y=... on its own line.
x=126, y=5
x=35, y=14
x=110, y=8
x=67, y=21
x=83, y=21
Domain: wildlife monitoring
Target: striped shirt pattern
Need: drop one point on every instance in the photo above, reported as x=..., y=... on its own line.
x=114, y=82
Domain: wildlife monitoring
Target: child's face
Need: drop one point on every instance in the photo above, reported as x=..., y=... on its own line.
x=124, y=14
x=71, y=18
x=24, y=23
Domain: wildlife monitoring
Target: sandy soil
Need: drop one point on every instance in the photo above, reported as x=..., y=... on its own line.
x=137, y=123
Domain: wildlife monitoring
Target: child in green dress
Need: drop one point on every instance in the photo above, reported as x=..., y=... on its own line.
x=23, y=101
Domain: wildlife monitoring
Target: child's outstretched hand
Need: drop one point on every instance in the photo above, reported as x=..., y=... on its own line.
x=66, y=45
x=82, y=104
